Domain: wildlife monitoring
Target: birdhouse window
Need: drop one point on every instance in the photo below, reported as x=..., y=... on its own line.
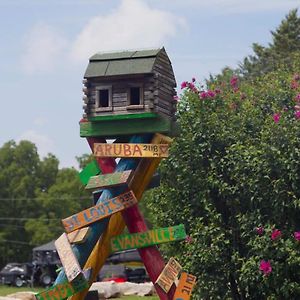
x=104, y=98
x=135, y=97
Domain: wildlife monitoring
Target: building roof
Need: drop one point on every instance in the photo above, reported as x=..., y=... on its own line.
x=46, y=247
x=122, y=63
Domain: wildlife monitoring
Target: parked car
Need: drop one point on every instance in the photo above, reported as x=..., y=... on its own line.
x=19, y=274
x=16, y=274
x=121, y=273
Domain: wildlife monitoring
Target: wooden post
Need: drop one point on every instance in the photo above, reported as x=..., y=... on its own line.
x=83, y=251
x=153, y=261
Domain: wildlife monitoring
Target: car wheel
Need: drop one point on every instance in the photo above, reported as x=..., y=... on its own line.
x=18, y=282
x=46, y=279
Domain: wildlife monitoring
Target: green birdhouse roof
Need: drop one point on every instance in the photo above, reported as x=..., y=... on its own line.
x=122, y=63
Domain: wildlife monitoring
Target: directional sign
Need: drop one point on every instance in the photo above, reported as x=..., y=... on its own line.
x=131, y=150
x=169, y=274
x=99, y=211
x=148, y=238
x=78, y=236
x=67, y=257
x=102, y=250
x=91, y=169
x=64, y=290
x=185, y=286
x=109, y=180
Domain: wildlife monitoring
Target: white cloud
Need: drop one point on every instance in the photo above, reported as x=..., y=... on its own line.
x=43, y=48
x=44, y=144
x=238, y=6
x=133, y=24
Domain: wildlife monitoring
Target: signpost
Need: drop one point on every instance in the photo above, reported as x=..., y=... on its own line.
x=131, y=150
x=99, y=211
x=185, y=286
x=64, y=290
x=67, y=257
x=78, y=236
x=148, y=238
x=169, y=274
x=109, y=180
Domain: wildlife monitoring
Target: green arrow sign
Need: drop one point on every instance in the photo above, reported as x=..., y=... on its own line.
x=148, y=238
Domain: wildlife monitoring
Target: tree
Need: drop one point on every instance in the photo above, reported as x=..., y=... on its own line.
x=64, y=198
x=285, y=41
x=20, y=178
x=34, y=194
x=232, y=179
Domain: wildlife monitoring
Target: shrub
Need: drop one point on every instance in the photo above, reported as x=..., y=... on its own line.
x=233, y=179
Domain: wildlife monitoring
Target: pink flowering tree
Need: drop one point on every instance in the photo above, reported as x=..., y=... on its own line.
x=233, y=179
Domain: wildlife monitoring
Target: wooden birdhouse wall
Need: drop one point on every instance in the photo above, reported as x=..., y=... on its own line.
x=152, y=91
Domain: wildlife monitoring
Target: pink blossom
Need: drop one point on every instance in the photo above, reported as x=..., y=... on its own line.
x=175, y=98
x=297, y=107
x=259, y=230
x=211, y=94
x=297, y=114
x=188, y=239
x=276, y=234
x=184, y=84
x=234, y=81
x=192, y=87
x=217, y=91
x=265, y=267
x=296, y=77
x=298, y=97
x=203, y=95
x=297, y=235
x=294, y=85
x=276, y=117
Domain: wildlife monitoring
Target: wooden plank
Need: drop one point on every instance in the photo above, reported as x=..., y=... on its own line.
x=151, y=256
x=109, y=180
x=64, y=290
x=161, y=110
x=185, y=286
x=99, y=211
x=67, y=257
x=106, y=164
x=169, y=274
x=91, y=169
x=148, y=238
x=131, y=150
x=78, y=236
x=112, y=129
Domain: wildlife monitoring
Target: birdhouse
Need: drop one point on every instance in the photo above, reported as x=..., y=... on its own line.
x=131, y=86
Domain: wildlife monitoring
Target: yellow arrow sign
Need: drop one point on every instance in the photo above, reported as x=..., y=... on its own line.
x=131, y=150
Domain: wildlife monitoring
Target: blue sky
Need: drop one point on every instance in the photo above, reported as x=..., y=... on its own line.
x=45, y=46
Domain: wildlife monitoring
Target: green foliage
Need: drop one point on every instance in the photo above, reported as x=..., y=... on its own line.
x=235, y=167
x=286, y=40
x=34, y=194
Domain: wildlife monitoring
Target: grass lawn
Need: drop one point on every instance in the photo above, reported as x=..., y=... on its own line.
x=6, y=290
